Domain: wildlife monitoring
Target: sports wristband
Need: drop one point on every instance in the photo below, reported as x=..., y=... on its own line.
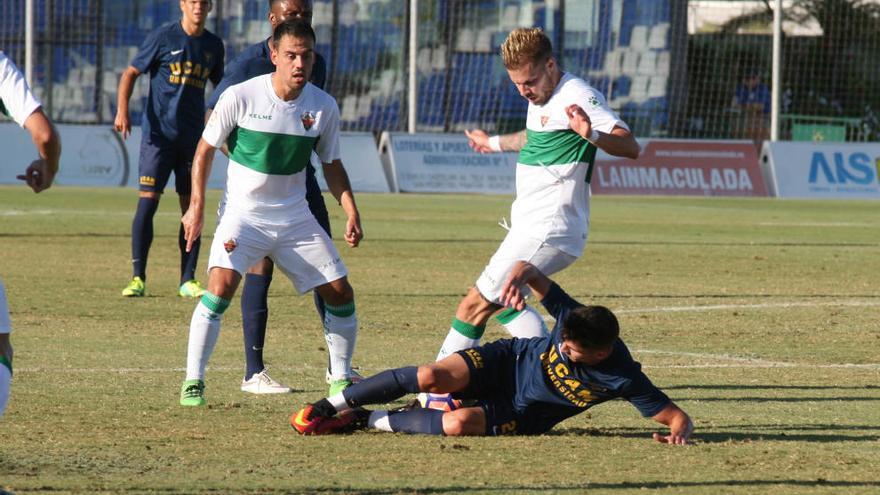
x=495, y=143
x=594, y=136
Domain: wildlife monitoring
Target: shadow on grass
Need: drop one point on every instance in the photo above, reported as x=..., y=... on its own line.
x=781, y=434
x=511, y=488
x=771, y=387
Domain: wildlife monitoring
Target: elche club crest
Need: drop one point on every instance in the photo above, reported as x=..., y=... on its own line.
x=230, y=245
x=544, y=120
x=308, y=119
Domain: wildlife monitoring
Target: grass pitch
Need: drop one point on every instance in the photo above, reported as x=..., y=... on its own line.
x=761, y=318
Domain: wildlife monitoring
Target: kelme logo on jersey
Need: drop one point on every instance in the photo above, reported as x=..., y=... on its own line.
x=230, y=245
x=594, y=102
x=308, y=120
x=257, y=116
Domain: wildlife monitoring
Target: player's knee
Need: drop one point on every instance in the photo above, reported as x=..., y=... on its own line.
x=337, y=293
x=458, y=423
x=474, y=308
x=430, y=378
x=263, y=267
x=149, y=195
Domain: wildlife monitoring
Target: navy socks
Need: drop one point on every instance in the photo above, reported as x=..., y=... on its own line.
x=142, y=235
x=254, y=313
x=425, y=421
x=188, y=260
x=384, y=387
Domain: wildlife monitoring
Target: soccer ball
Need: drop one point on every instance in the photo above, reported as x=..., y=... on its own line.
x=441, y=402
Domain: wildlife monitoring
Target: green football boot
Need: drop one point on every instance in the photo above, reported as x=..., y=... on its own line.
x=135, y=288
x=338, y=386
x=191, y=288
x=192, y=393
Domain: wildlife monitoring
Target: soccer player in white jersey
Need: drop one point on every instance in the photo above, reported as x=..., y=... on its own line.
x=567, y=120
x=271, y=124
x=17, y=102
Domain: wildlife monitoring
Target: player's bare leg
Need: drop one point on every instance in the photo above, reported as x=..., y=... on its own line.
x=467, y=328
x=467, y=421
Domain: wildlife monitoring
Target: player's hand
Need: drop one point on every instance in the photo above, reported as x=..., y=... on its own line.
x=677, y=435
x=38, y=175
x=193, y=221
x=511, y=292
x=479, y=141
x=122, y=124
x=579, y=120
x=353, y=231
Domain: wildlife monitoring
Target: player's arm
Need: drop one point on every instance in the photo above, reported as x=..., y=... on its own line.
x=194, y=219
x=618, y=142
x=41, y=172
x=483, y=143
x=680, y=425
x=223, y=148
x=340, y=187
x=122, y=124
x=524, y=274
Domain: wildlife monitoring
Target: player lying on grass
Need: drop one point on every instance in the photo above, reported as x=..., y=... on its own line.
x=521, y=386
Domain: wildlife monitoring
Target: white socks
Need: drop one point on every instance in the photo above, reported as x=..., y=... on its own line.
x=524, y=324
x=204, y=329
x=340, y=332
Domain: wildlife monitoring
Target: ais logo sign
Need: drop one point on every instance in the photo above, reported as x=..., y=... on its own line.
x=843, y=169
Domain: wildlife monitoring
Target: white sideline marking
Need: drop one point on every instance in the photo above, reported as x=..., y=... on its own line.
x=713, y=307
x=738, y=361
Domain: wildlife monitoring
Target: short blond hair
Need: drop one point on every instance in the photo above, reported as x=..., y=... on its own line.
x=524, y=46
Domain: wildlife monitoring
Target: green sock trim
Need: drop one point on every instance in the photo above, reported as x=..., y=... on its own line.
x=507, y=316
x=341, y=311
x=5, y=362
x=215, y=303
x=470, y=331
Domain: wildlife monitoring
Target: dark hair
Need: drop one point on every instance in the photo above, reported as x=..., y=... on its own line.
x=298, y=28
x=591, y=327
x=273, y=2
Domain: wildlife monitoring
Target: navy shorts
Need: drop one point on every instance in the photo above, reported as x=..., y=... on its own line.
x=158, y=158
x=494, y=386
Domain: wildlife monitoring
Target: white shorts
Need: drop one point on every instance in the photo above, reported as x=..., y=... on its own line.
x=5, y=325
x=515, y=248
x=302, y=250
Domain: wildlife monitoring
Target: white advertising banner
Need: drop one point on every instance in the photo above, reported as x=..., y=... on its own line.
x=91, y=156
x=97, y=156
x=361, y=160
x=445, y=163
x=823, y=170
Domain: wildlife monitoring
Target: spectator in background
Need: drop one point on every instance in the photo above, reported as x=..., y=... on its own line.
x=180, y=59
x=752, y=99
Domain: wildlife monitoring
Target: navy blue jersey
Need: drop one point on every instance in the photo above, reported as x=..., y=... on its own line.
x=548, y=388
x=255, y=61
x=179, y=66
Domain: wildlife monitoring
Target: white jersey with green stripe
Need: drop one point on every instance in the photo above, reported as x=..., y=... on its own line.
x=270, y=143
x=555, y=166
x=16, y=99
